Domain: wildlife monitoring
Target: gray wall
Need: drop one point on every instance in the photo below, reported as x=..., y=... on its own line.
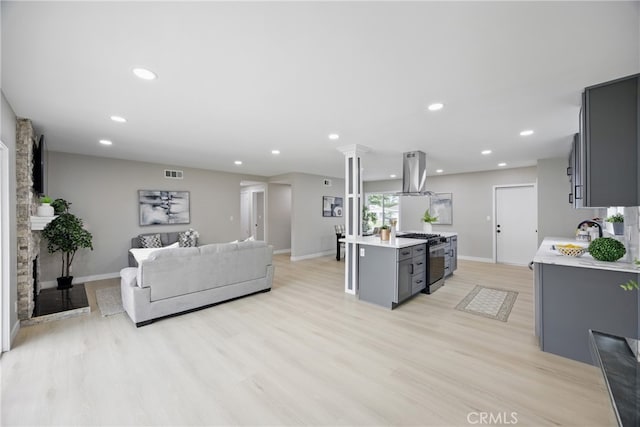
x=556, y=217
x=8, y=136
x=279, y=216
x=104, y=193
x=311, y=233
x=472, y=204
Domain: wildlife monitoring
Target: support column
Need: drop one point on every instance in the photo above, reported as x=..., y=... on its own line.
x=353, y=191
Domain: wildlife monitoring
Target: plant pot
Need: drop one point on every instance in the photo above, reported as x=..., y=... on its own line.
x=45, y=209
x=618, y=228
x=385, y=234
x=64, y=282
x=427, y=227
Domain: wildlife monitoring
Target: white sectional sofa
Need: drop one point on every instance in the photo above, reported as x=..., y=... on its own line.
x=178, y=280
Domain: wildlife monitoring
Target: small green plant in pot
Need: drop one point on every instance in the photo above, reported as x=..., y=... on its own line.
x=385, y=232
x=607, y=249
x=45, y=208
x=427, y=219
x=617, y=221
x=66, y=234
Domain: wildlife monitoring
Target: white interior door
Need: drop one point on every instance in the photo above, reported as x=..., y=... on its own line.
x=245, y=214
x=516, y=222
x=258, y=215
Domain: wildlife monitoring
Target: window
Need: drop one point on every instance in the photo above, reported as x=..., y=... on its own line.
x=379, y=209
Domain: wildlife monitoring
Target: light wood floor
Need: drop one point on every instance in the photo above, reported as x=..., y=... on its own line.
x=304, y=353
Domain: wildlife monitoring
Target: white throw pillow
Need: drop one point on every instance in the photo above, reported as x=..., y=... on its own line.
x=141, y=254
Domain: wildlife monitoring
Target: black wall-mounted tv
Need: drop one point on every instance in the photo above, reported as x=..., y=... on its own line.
x=39, y=168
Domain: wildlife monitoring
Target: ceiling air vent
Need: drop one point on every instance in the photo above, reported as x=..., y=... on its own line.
x=173, y=174
x=326, y=182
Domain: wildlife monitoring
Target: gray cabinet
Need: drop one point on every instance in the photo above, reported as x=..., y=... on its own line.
x=389, y=276
x=608, y=145
x=568, y=301
x=451, y=255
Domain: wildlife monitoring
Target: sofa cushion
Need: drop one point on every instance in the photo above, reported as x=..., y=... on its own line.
x=141, y=254
x=150, y=240
x=173, y=253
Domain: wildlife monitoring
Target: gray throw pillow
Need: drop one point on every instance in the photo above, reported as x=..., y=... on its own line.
x=150, y=241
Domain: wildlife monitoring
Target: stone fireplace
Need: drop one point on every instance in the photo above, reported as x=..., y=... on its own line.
x=27, y=203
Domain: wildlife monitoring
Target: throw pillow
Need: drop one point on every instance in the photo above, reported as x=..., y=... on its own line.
x=150, y=241
x=187, y=241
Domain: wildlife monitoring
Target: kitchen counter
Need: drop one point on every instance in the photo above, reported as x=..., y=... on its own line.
x=396, y=243
x=546, y=255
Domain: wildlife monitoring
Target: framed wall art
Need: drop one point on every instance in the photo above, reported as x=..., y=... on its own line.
x=332, y=206
x=163, y=207
x=441, y=206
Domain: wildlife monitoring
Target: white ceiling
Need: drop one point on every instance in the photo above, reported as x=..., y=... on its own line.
x=237, y=80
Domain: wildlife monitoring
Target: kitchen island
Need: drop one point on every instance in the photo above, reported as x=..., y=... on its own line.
x=575, y=294
x=390, y=272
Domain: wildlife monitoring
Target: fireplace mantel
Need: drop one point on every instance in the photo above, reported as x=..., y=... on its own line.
x=40, y=222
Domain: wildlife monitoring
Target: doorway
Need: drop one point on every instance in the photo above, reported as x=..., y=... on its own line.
x=252, y=210
x=5, y=322
x=515, y=237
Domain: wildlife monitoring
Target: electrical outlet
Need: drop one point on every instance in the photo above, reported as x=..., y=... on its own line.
x=361, y=251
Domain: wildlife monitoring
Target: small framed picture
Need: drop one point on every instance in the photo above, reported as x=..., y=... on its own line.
x=332, y=206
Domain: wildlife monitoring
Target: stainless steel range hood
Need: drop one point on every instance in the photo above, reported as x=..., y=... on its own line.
x=414, y=174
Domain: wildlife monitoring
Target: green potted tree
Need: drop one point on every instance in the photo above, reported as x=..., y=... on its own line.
x=66, y=234
x=427, y=219
x=617, y=221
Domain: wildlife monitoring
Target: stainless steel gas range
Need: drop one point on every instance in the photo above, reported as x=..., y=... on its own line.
x=435, y=258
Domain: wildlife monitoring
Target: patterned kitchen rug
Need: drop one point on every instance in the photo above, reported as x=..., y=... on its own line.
x=489, y=302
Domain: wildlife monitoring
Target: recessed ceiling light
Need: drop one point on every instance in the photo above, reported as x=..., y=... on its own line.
x=436, y=106
x=393, y=175
x=526, y=132
x=502, y=164
x=105, y=142
x=118, y=119
x=485, y=152
x=334, y=136
x=439, y=171
x=145, y=74
x=275, y=151
x=238, y=162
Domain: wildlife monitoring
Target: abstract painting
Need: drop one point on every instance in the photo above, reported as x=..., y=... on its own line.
x=163, y=207
x=442, y=207
x=331, y=206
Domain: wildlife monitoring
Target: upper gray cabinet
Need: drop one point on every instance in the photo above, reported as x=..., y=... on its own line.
x=607, y=145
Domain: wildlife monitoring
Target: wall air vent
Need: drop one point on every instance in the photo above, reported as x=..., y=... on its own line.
x=326, y=182
x=173, y=174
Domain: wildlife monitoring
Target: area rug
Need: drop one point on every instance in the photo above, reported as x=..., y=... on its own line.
x=489, y=302
x=109, y=301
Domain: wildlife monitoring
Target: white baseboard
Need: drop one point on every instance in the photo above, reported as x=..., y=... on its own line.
x=310, y=256
x=475, y=258
x=282, y=251
x=53, y=283
x=14, y=333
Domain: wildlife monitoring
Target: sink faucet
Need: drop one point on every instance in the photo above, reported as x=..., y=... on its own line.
x=590, y=223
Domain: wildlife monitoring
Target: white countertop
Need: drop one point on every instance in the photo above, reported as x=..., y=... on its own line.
x=396, y=243
x=546, y=255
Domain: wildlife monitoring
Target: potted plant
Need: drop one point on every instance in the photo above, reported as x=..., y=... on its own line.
x=45, y=208
x=385, y=232
x=617, y=221
x=60, y=206
x=427, y=219
x=66, y=234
